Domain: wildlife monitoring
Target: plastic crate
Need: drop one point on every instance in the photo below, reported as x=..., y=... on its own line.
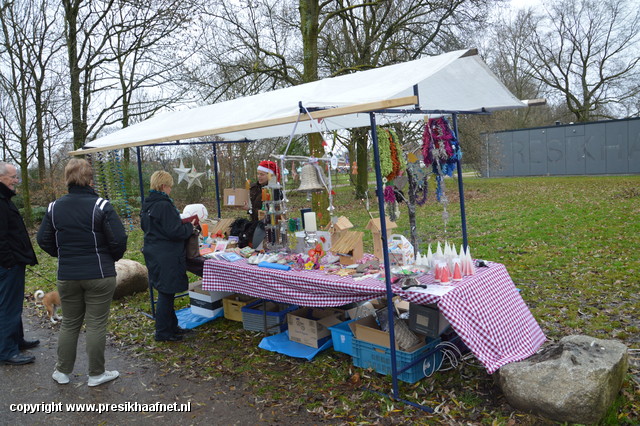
x=253, y=316
x=342, y=337
x=370, y=355
x=233, y=306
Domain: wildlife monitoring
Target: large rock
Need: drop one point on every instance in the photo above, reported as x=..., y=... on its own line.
x=131, y=277
x=574, y=380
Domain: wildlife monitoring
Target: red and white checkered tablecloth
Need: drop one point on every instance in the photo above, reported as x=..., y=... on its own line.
x=485, y=309
x=488, y=314
x=304, y=288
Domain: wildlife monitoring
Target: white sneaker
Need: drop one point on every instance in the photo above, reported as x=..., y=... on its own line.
x=105, y=377
x=59, y=377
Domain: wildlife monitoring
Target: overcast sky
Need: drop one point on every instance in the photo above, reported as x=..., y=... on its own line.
x=518, y=4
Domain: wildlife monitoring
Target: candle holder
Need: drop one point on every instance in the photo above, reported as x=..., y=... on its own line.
x=310, y=238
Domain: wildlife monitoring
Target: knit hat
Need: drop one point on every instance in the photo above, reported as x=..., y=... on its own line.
x=269, y=167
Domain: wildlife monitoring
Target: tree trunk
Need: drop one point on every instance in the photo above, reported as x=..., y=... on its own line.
x=309, y=26
x=24, y=191
x=362, y=162
x=79, y=126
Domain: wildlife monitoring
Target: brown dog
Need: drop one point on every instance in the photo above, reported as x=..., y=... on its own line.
x=51, y=302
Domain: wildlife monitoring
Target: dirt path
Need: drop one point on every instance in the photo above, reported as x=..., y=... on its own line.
x=223, y=402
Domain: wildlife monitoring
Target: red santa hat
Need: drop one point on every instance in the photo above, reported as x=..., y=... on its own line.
x=269, y=167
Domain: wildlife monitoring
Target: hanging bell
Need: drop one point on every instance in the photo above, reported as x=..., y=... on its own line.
x=310, y=179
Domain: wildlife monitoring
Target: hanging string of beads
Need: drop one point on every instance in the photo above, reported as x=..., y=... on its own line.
x=125, y=207
x=101, y=185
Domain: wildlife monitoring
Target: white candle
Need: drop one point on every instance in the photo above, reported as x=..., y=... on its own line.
x=310, y=222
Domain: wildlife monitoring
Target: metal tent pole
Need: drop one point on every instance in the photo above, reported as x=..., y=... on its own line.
x=141, y=183
x=463, y=215
x=215, y=174
x=385, y=253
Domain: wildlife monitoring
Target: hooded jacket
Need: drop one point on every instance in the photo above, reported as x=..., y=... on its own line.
x=85, y=233
x=164, y=243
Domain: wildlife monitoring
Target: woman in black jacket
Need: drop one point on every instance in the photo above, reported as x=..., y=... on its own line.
x=86, y=235
x=164, y=253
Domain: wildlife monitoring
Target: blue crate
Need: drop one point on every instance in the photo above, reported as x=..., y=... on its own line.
x=369, y=355
x=342, y=337
x=253, y=316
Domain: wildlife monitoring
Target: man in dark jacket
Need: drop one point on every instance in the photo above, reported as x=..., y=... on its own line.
x=16, y=252
x=164, y=253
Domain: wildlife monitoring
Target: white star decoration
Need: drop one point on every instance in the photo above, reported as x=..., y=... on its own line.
x=193, y=177
x=182, y=172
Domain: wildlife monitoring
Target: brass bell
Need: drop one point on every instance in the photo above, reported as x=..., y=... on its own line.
x=311, y=178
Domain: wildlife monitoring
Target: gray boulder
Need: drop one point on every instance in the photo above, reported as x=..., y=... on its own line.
x=575, y=380
x=131, y=277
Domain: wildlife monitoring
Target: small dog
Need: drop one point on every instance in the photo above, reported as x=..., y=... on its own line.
x=51, y=302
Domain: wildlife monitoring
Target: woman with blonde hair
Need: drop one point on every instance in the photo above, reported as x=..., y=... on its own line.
x=164, y=253
x=86, y=235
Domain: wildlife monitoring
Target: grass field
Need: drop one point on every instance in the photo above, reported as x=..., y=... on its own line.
x=570, y=244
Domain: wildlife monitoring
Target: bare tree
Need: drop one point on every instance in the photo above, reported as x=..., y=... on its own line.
x=18, y=83
x=587, y=53
x=366, y=35
x=110, y=45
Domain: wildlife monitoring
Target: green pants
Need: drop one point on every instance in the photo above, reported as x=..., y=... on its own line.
x=85, y=301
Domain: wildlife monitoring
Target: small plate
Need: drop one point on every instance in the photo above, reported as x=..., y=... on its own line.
x=407, y=271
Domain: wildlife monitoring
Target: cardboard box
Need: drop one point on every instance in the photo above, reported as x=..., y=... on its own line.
x=367, y=330
x=310, y=326
x=206, y=303
x=233, y=306
x=236, y=197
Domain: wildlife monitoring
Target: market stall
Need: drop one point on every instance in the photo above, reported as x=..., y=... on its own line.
x=453, y=83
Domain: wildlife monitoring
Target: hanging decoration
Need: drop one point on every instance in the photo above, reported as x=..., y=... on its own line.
x=109, y=183
x=125, y=207
x=194, y=177
x=440, y=147
x=392, y=166
x=419, y=177
x=392, y=161
x=182, y=172
x=188, y=174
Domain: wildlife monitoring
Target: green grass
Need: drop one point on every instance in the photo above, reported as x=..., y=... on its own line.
x=571, y=245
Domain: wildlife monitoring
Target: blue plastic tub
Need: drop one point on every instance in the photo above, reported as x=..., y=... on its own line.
x=369, y=355
x=342, y=337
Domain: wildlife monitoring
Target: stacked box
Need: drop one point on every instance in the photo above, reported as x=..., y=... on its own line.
x=233, y=306
x=309, y=326
x=267, y=316
x=206, y=303
x=370, y=355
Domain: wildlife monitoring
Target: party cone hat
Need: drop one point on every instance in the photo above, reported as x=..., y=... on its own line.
x=471, y=267
x=457, y=270
x=444, y=275
x=437, y=272
x=439, y=250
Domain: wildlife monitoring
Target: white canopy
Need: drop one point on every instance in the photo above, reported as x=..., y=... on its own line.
x=457, y=81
